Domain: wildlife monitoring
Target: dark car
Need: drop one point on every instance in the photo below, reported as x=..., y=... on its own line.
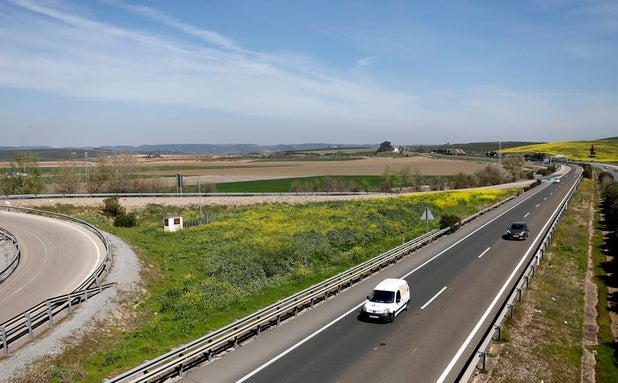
x=517, y=230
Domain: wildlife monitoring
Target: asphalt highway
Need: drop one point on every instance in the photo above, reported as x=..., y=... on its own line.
x=56, y=256
x=458, y=284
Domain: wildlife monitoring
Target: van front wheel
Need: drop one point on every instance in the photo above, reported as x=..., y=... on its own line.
x=391, y=318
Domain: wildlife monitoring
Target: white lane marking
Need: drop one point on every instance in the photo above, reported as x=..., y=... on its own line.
x=527, y=214
x=464, y=345
x=537, y=205
x=292, y=348
x=483, y=253
x=432, y=299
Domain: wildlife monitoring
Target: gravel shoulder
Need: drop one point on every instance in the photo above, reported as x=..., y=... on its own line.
x=125, y=272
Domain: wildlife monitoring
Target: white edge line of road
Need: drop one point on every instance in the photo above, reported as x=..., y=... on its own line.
x=292, y=348
x=309, y=337
x=464, y=345
x=80, y=230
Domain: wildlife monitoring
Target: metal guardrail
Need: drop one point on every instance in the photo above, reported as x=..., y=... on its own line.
x=16, y=328
x=168, y=195
x=7, y=235
x=216, y=342
x=175, y=362
x=479, y=357
x=21, y=325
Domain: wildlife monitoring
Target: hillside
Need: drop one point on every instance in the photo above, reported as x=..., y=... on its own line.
x=606, y=150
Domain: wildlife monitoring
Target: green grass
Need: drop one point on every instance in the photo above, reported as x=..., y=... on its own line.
x=202, y=278
x=607, y=350
x=285, y=185
x=547, y=330
x=544, y=341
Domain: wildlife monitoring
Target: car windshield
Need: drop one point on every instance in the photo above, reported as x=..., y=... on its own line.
x=517, y=226
x=380, y=296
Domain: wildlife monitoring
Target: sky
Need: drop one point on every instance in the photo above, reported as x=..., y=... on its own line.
x=95, y=73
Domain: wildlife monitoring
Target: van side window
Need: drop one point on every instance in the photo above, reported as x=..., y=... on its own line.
x=398, y=296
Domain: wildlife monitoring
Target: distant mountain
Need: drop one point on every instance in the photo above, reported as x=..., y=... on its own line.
x=223, y=148
x=46, y=153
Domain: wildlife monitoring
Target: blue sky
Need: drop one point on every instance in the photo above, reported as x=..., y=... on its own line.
x=129, y=72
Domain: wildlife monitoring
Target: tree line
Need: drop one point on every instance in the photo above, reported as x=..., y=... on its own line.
x=116, y=174
x=609, y=210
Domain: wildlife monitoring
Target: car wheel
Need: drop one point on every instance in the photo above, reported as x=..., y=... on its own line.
x=391, y=319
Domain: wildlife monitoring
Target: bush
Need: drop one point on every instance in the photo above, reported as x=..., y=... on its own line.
x=112, y=207
x=450, y=220
x=125, y=220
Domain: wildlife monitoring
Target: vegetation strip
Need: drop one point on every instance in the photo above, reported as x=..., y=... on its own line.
x=545, y=340
x=202, y=278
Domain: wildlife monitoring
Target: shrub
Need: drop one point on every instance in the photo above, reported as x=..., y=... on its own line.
x=450, y=220
x=112, y=207
x=125, y=220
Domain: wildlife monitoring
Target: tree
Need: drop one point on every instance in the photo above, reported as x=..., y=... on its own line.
x=24, y=176
x=489, y=176
x=67, y=179
x=513, y=164
x=385, y=147
x=122, y=167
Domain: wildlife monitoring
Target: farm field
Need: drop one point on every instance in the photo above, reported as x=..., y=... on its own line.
x=605, y=150
x=217, y=171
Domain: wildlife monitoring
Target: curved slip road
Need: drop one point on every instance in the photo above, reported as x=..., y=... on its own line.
x=56, y=256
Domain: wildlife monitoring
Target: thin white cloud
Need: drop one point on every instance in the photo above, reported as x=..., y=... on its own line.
x=100, y=60
x=154, y=14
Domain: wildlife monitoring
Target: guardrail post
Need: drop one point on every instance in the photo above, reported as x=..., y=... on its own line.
x=29, y=324
x=483, y=356
x=518, y=290
x=70, y=304
x=96, y=281
x=50, y=314
x=531, y=270
x=5, y=344
x=510, y=306
x=526, y=281
x=498, y=328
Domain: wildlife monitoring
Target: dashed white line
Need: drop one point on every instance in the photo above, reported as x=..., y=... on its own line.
x=483, y=253
x=434, y=297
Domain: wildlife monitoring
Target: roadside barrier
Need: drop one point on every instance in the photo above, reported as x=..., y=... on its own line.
x=185, y=357
x=16, y=328
x=494, y=332
x=6, y=235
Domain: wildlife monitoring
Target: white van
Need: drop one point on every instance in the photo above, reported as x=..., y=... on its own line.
x=388, y=299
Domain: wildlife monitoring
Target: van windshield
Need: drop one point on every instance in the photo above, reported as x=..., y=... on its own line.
x=381, y=296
